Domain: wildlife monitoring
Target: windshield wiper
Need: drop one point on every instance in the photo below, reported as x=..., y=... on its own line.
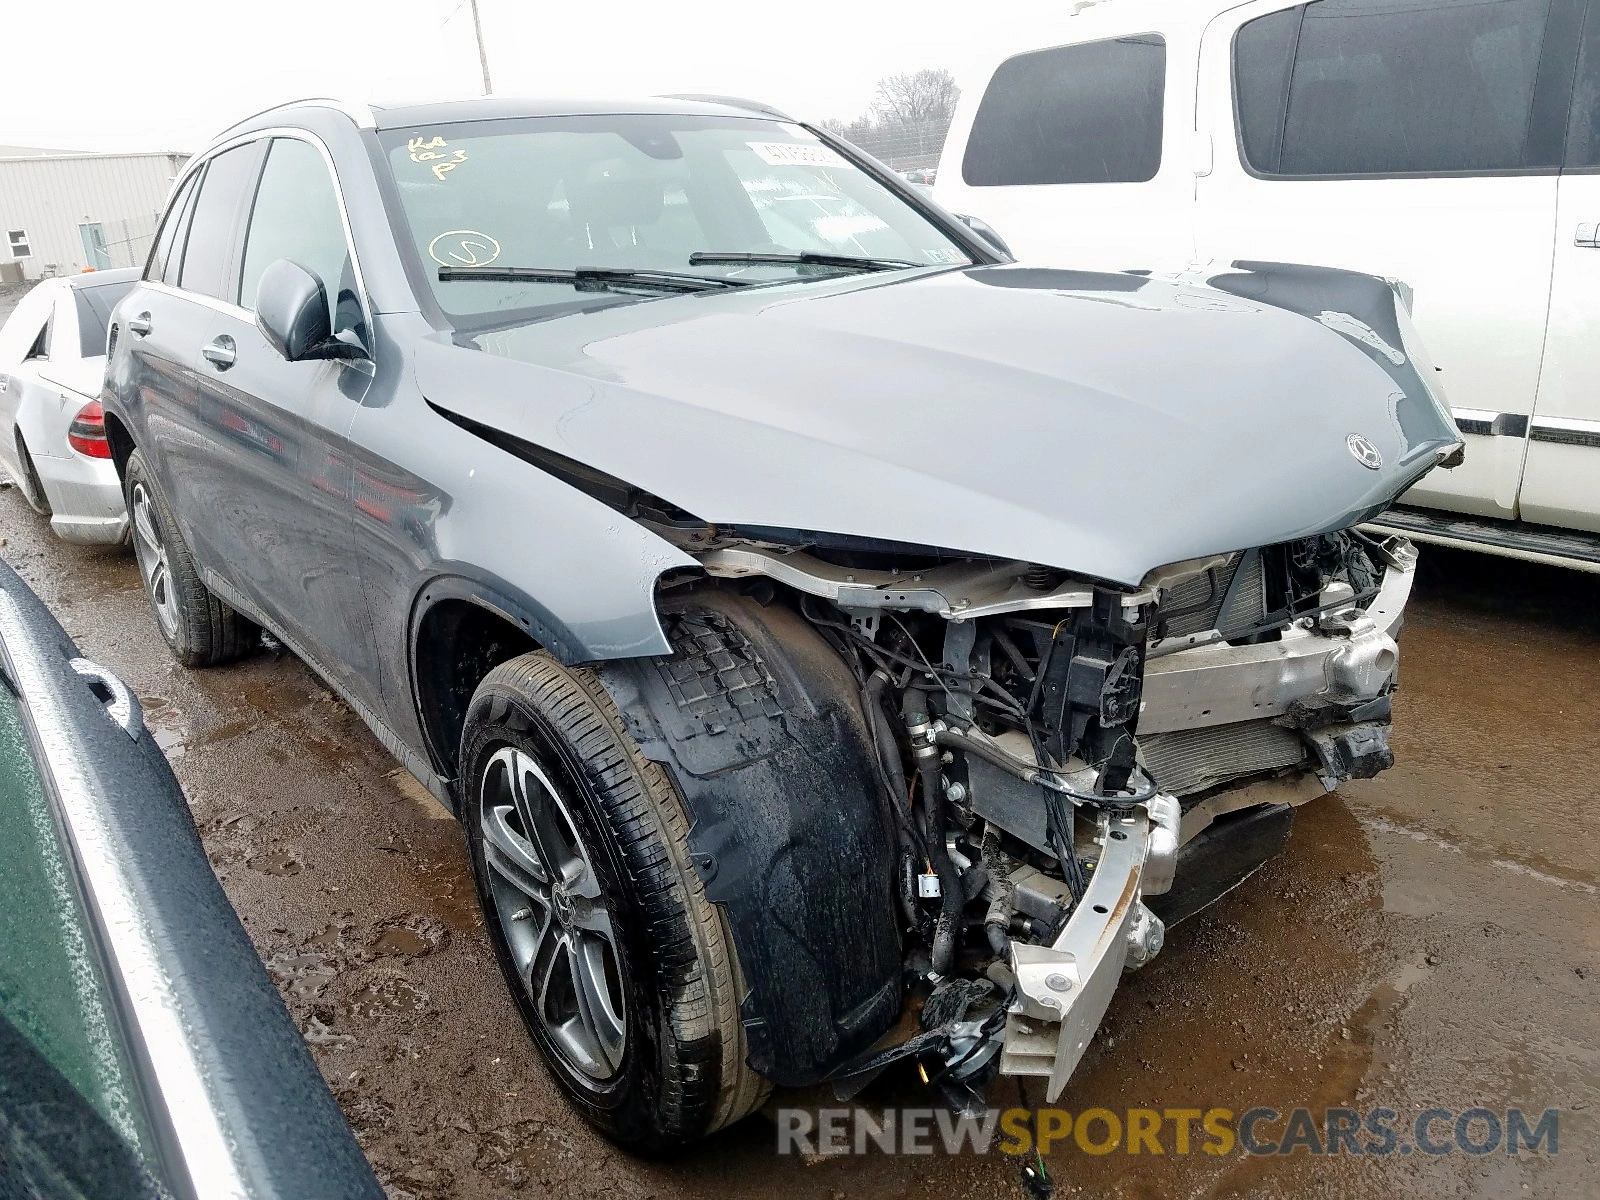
x=593, y=279
x=806, y=258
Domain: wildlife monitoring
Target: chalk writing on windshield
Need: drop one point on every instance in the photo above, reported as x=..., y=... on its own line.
x=437, y=154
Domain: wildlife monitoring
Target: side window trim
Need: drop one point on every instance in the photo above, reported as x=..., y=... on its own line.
x=1553, y=82
x=265, y=136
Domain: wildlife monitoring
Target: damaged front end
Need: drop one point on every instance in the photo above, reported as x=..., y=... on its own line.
x=1056, y=752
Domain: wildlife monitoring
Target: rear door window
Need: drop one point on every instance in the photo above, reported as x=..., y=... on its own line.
x=208, y=256
x=1395, y=87
x=1090, y=113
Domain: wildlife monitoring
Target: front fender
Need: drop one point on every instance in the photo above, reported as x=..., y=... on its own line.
x=757, y=720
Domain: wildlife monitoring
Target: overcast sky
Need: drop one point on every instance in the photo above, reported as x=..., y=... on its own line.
x=167, y=74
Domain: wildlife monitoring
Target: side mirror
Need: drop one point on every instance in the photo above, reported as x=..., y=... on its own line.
x=293, y=315
x=984, y=230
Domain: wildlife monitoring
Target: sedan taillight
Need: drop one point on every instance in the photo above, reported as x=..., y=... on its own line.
x=87, y=433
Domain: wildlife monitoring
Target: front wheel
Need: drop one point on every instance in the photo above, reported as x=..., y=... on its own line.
x=624, y=973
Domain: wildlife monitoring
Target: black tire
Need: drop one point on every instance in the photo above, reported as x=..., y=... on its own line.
x=200, y=629
x=680, y=1071
x=30, y=486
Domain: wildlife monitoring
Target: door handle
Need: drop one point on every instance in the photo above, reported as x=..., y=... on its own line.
x=139, y=324
x=1588, y=235
x=220, y=352
x=122, y=706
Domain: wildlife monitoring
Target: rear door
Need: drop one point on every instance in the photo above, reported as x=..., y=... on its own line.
x=1561, y=483
x=1418, y=140
x=166, y=320
x=276, y=470
x=1068, y=152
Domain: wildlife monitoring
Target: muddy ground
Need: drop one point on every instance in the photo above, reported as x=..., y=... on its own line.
x=1430, y=937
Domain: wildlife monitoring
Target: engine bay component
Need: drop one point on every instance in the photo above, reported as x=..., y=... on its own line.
x=1037, y=740
x=1062, y=989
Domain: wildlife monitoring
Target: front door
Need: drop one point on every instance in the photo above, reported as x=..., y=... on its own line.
x=1418, y=140
x=276, y=430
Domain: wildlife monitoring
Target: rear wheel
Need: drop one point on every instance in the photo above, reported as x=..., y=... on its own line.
x=201, y=630
x=32, y=489
x=624, y=973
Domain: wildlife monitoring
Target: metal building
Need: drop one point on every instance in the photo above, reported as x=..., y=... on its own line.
x=62, y=211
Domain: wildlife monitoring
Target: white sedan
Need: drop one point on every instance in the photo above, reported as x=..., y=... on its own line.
x=52, y=433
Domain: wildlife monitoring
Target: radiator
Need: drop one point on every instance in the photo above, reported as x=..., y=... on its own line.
x=1184, y=761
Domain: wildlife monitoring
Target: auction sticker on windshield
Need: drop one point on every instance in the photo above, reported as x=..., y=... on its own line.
x=796, y=154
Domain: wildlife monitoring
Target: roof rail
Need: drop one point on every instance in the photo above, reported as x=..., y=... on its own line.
x=361, y=114
x=732, y=102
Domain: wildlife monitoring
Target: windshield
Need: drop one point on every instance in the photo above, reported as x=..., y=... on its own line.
x=678, y=194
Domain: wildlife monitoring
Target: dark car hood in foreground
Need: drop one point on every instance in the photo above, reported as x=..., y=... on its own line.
x=1102, y=424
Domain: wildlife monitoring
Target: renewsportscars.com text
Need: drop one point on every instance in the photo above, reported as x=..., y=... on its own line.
x=1214, y=1131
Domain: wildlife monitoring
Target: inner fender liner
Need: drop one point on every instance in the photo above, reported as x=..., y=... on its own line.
x=759, y=722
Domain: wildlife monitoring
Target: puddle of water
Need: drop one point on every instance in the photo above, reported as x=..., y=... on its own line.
x=302, y=975
x=166, y=726
x=399, y=942
x=319, y=1033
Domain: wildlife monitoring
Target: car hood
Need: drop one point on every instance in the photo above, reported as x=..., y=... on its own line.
x=1104, y=424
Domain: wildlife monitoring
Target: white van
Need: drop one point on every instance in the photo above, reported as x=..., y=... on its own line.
x=1451, y=145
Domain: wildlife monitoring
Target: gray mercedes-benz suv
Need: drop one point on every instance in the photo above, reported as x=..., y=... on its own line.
x=803, y=607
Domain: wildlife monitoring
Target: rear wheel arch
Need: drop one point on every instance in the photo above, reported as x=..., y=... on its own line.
x=32, y=486
x=122, y=443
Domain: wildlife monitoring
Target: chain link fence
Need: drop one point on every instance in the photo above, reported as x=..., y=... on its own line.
x=128, y=239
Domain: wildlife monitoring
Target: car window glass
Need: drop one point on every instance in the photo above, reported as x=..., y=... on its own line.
x=296, y=216
x=183, y=216
x=636, y=192
x=1583, y=131
x=1377, y=87
x=156, y=268
x=94, y=315
x=208, y=253
x=1090, y=113
x=39, y=347
x=67, y=1089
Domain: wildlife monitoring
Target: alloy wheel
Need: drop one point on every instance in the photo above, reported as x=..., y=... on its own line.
x=151, y=551
x=553, y=913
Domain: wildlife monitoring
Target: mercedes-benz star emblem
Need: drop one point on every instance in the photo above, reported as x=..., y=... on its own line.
x=1364, y=451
